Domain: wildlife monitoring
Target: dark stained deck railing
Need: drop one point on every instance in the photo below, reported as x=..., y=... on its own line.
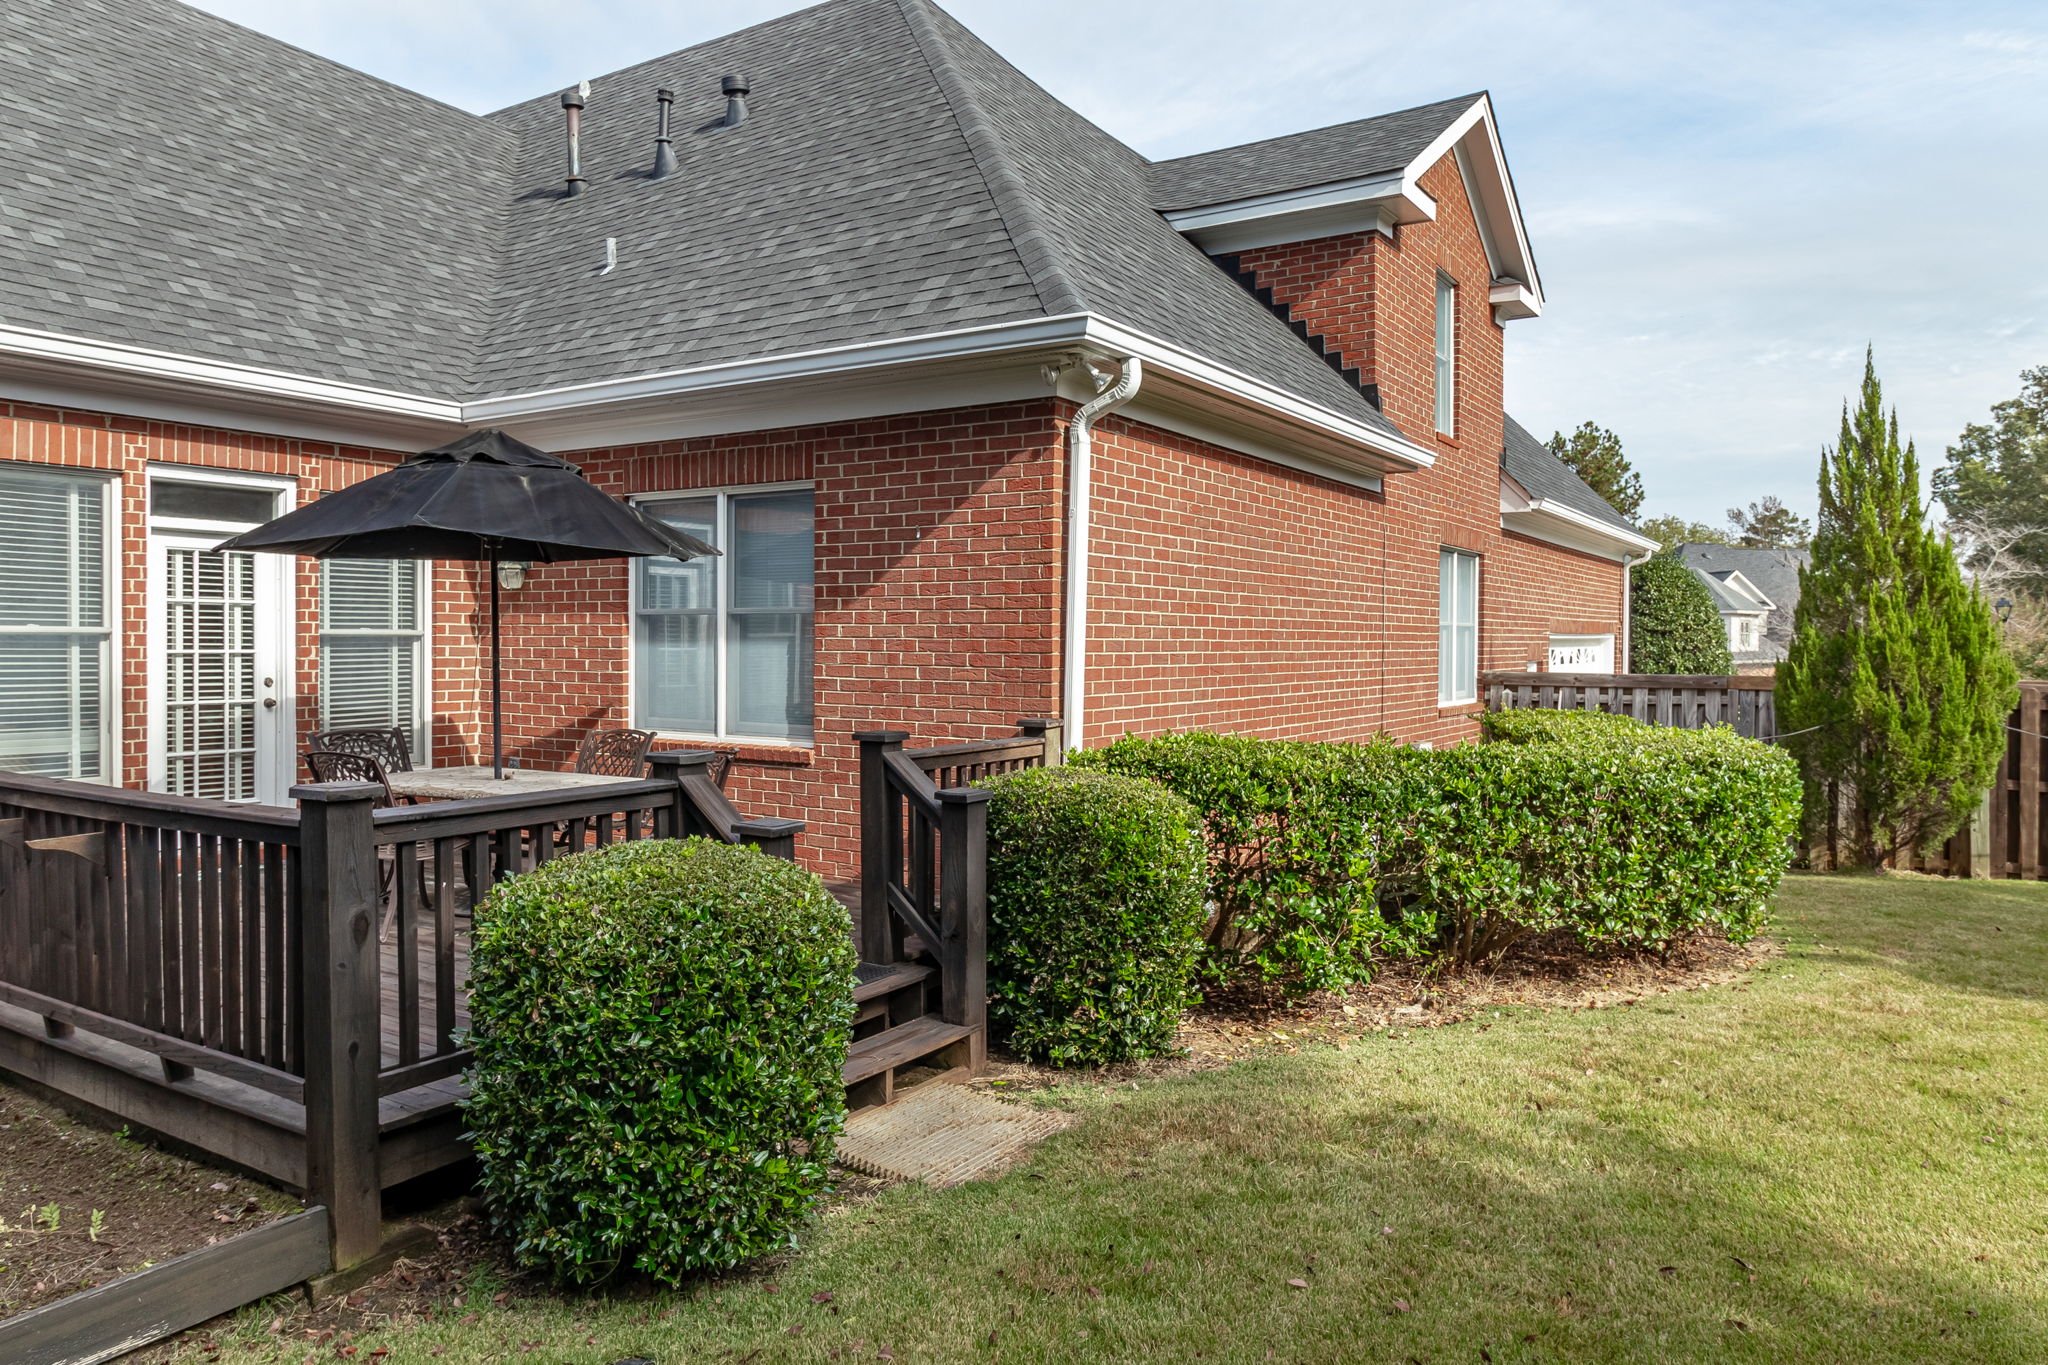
x=264, y=947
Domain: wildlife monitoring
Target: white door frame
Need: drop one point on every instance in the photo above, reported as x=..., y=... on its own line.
x=276, y=628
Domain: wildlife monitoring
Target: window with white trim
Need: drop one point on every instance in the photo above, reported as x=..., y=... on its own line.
x=373, y=639
x=1742, y=634
x=1457, y=650
x=722, y=646
x=56, y=631
x=1446, y=355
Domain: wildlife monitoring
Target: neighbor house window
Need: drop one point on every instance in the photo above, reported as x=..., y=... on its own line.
x=1446, y=355
x=1457, y=650
x=56, y=636
x=1744, y=634
x=722, y=646
x=373, y=633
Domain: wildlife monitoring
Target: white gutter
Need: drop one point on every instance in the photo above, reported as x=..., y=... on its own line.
x=1628, y=563
x=1080, y=477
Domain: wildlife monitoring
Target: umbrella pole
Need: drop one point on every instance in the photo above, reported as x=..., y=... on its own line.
x=497, y=685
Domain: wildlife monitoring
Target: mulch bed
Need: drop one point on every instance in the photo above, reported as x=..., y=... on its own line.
x=1548, y=972
x=80, y=1205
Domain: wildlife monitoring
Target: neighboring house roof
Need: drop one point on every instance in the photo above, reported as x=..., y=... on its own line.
x=1299, y=160
x=180, y=184
x=1747, y=581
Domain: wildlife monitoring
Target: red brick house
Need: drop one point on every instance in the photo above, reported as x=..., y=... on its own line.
x=992, y=416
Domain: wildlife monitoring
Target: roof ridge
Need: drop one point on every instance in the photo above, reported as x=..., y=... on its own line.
x=1466, y=100
x=1030, y=235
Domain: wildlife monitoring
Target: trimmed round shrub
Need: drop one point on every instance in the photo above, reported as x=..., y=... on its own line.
x=1095, y=885
x=1674, y=626
x=659, y=1028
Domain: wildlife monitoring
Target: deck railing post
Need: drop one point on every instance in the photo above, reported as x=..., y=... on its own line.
x=339, y=903
x=877, y=812
x=963, y=912
x=677, y=766
x=773, y=836
x=1052, y=731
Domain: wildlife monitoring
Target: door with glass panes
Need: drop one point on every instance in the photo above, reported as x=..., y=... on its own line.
x=220, y=641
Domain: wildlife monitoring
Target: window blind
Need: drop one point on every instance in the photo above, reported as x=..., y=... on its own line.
x=55, y=635
x=372, y=639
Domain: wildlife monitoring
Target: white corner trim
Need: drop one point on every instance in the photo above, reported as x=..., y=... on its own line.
x=220, y=375
x=1511, y=299
x=1548, y=520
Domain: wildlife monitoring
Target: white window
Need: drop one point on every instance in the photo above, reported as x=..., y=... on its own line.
x=373, y=637
x=1457, y=657
x=722, y=646
x=56, y=635
x=1446, y=355
x=1582, y=653
x=1743, y=636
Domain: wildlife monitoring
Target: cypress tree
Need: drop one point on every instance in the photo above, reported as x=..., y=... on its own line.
x=1895, y=670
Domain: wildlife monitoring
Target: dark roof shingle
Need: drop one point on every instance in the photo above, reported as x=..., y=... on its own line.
x=1344, y=151
x=1534, y=465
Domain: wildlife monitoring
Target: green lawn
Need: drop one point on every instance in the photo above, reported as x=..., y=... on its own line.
x=1841, y=1160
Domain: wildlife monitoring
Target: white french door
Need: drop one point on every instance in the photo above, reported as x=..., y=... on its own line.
x=220, y=651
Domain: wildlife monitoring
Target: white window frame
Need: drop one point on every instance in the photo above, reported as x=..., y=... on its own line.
x=111, y=609
x=1447, y=693
x=1600, y=646
x=721, y=611
x=1445, y=342
x=423, y=657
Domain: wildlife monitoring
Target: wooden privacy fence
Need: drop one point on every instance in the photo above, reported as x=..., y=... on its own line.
x=283, y=987
x=2005, y=839
x=1745, y=701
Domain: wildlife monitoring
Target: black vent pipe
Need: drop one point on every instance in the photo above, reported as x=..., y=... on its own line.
x=735, y=88
x=572, y=106
x=664, y=147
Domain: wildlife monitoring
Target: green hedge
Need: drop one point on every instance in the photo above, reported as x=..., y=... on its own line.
x=659, y=1029
x=1323, y=856
x=1095, y=914
x=1294, y=858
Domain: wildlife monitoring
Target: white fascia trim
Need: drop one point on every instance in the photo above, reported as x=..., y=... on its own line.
x=220, y=375
x=1492, y=190
x=963, y=343
x=990, y=342
x=1750, y=590
x=1374, y=203
x=1549, y=520
x=1399, y=450
x=1511, y=299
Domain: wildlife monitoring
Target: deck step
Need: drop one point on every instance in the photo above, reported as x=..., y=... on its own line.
x=901, y=1045
x=875, y=979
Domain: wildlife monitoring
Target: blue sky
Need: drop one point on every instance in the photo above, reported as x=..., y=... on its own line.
x=1727, y=201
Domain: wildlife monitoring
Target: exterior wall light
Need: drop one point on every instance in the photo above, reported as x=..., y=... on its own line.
x=2003, y=606
x=512, y=574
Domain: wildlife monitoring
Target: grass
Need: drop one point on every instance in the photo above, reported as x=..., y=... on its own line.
x=1842, y=1159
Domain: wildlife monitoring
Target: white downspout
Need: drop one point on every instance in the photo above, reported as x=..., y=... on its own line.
x=1628, y=564
x=1080, y=478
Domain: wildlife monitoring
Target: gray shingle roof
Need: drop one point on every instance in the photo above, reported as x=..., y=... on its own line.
x=1534, y=465
x=1344, y=151
x=1775, y=573
x=177, y=182
x=180, y=183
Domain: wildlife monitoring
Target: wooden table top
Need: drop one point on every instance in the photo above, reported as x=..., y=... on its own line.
x=462, y=784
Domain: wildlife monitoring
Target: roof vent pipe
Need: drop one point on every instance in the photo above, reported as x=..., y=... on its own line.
x=572, y=105
x=664, y=147
x=735, y=88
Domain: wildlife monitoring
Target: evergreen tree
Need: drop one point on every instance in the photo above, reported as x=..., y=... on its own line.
x=1768, y=524
x=1673, y=624
x=1996, y=478
x=1674, y=531
x=1594, y=453
x=1895, y=673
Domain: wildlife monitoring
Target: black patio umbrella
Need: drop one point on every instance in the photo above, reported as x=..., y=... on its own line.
x=485, y=497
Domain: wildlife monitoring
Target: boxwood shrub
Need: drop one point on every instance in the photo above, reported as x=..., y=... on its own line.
x=1095, y=914
x=1295, y=857
x=1628, y=835
x=659, y=1029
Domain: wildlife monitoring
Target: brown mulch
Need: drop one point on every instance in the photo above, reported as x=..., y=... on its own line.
x=80, y=1205
x=1547, y=972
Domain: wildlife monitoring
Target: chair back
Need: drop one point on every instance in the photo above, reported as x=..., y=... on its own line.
x=615, y=753
x=388, y=747
x=335, y=765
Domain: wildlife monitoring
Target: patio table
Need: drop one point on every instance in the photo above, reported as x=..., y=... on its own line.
x=467, y=783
